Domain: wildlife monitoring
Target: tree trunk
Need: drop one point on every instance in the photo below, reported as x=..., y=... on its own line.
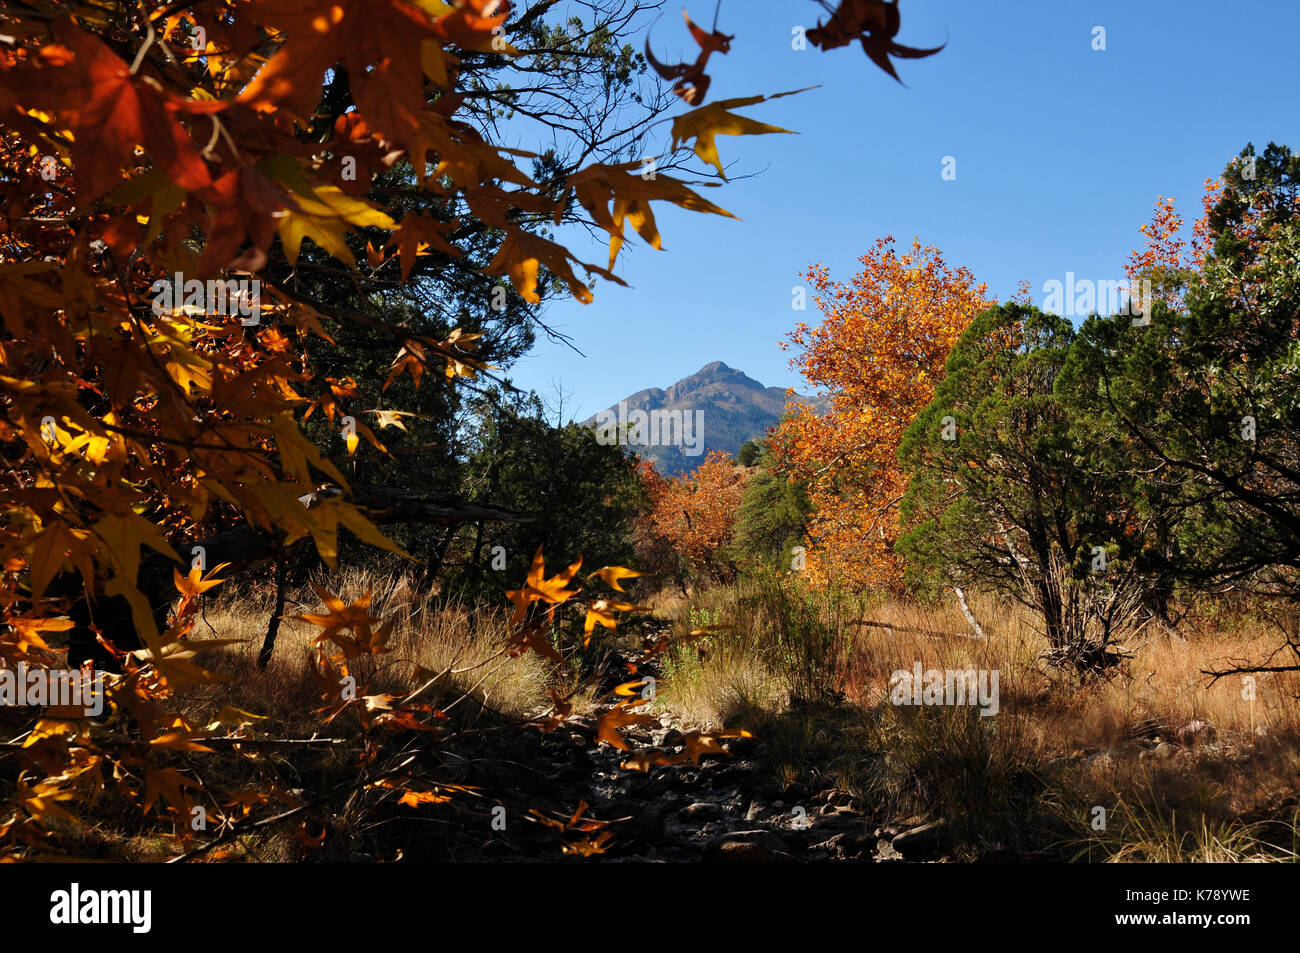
x=273, y=627
x=965, y=610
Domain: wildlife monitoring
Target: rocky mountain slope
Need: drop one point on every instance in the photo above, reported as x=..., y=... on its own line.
x=716, y=408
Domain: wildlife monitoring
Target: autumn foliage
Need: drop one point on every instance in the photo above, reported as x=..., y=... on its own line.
x=694, y=514
x=150, y=142
x=877, y=355
x=1173, y=263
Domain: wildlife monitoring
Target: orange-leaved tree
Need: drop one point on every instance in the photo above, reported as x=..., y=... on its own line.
x=1173, y=264
x=192, y=190
x=694, y=514
x=876, y=356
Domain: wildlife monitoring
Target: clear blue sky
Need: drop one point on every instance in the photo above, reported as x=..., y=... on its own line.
x=1061, y=152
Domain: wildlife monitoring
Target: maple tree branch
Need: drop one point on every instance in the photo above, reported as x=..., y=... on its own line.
x=148, y=40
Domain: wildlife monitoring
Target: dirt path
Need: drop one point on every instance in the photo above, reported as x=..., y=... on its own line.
x=729, y=809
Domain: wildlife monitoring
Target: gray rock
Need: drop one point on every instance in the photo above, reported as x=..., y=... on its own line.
x=927, y=840
x=701, y=811
x=847, y=846
x=747, y=847
x=885, y=853
x=1102, y=759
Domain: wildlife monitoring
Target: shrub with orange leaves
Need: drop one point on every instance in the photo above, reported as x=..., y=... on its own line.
x=877, y=354
x=694, y=515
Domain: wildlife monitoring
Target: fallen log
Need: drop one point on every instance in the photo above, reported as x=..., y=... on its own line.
x=908, y=628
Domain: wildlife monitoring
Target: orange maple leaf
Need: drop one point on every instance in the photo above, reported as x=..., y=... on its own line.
x=561, y=710
x=692, y=83
x=611, y=575
x=354, y=618
x=589, y=845
x=602, y=613
x=91, y=89
x=645, y=760
x=536, y=587
x=532, y=635
x=700, y=743
x=621, y=715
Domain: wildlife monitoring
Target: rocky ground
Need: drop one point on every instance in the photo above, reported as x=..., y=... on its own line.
x=728, y=809
x=525, y=785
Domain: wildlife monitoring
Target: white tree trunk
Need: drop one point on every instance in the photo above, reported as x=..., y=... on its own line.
x=970, y=616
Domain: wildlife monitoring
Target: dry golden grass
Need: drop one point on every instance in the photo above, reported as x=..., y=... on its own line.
x=461, y=643
x=1058, y=747
x=1028, y=778
x=1164, y=682
x=712, y=681
x=730, y=680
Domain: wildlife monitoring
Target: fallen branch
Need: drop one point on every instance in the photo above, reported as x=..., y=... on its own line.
x=1292, y=643
x=907, y=628
x=1247, y=670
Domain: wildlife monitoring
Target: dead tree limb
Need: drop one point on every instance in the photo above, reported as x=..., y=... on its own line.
x=970, y=616
x=909, y=628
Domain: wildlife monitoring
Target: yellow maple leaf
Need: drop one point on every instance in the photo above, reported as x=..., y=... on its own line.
x=615, y=194
x=356, y=619
x=602, y=613
x=611, y=575
x=708, y=122
x=195, y=584
x=522, y=255
x=325, y=217
x=121, y=537
x=27, y=625
x=536, y=586
x=391, y=418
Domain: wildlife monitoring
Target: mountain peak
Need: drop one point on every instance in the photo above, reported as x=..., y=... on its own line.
x=723, y=406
